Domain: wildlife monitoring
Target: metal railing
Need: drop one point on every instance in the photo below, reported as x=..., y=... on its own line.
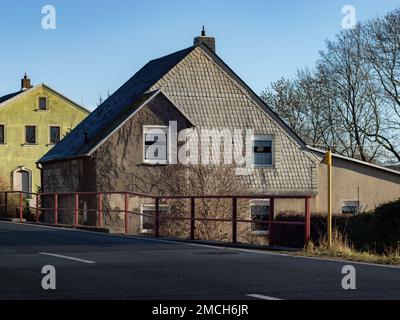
x=234, y=220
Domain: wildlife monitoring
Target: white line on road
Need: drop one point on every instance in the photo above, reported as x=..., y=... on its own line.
x=65, y=257
x=211, y=246
x=260, y=296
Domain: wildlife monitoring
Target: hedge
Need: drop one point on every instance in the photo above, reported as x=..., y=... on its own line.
x=377, y=231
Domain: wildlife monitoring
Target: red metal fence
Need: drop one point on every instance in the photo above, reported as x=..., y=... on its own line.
x=19, y=205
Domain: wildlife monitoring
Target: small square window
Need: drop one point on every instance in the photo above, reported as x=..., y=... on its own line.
x=260, y=211
x=54, y=134
x=262, y=150
x=155, y=145
x=147, y=216
x=350, y=207
x=30, y=135
x=2, y=134
x=42, y=103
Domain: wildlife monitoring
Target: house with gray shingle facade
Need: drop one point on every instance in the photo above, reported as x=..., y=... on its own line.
x=194, y=88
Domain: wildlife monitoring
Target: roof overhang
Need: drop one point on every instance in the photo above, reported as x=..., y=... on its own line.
x=122, y=123
x=339, y=156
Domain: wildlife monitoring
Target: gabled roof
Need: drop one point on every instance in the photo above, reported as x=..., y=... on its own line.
x=127, y=99
x=112, y=111
x=5, y=100
x=9, y=96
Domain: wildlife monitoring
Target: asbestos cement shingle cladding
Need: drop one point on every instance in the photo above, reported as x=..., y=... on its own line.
x=214, y=99
x=208, y=92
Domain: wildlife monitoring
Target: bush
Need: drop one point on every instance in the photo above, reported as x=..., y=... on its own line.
x=8, y=211
x=377, y=231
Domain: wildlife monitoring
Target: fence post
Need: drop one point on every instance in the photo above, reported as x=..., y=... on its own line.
x=21, y=211
x=307, y=219
x=100, y=209
x=271, y=220
x=126, y=214
x=192, y=217
x=76, y=209
x=234, y=220
x=55, y=208
x=37, y=208
x=157, y=218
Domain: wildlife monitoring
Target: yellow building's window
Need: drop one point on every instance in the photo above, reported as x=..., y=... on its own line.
x=30, y=135
x=54, y=134
x=43, y=103
x=2, y=134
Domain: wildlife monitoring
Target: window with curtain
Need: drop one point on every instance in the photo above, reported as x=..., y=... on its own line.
x=262, y=150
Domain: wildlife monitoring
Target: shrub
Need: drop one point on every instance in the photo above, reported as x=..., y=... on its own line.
x=377, y=231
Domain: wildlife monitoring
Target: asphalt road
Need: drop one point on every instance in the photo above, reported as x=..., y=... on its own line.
x=100, y=266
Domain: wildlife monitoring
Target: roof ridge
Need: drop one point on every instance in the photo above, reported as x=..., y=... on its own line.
x=173, y=53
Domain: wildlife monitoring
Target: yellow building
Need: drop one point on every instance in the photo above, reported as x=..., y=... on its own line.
x=32, y=121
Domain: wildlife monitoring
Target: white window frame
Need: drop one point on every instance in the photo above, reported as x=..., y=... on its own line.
x=155, y=162
x=267, y=137
x=355, y=202
x=255, y=202
x=149, y=207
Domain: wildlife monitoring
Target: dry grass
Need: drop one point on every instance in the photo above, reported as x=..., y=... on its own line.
x=342, y=249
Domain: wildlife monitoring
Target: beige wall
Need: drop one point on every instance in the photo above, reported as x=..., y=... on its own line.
x=353, y=181
x=350, y=181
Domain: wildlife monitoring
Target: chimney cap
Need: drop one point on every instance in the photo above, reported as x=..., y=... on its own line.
x=25, y=82
x=202, y=38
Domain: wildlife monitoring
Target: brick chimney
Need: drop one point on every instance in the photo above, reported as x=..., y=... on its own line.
x=25, y=83
x=209, y=41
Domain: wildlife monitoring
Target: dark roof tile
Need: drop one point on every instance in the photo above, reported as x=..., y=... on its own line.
x=111, y=112
x=9, y=96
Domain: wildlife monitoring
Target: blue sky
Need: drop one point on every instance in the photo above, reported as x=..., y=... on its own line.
x=98, y=45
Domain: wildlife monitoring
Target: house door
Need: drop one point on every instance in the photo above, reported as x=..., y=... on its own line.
x=22, y=180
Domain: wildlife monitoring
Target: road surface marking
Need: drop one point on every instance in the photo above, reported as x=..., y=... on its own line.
x=65, y=257
x=260, y=296
x=209, y=246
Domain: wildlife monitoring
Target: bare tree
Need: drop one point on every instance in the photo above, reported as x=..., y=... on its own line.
x=380, y=43
x=351, y=98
